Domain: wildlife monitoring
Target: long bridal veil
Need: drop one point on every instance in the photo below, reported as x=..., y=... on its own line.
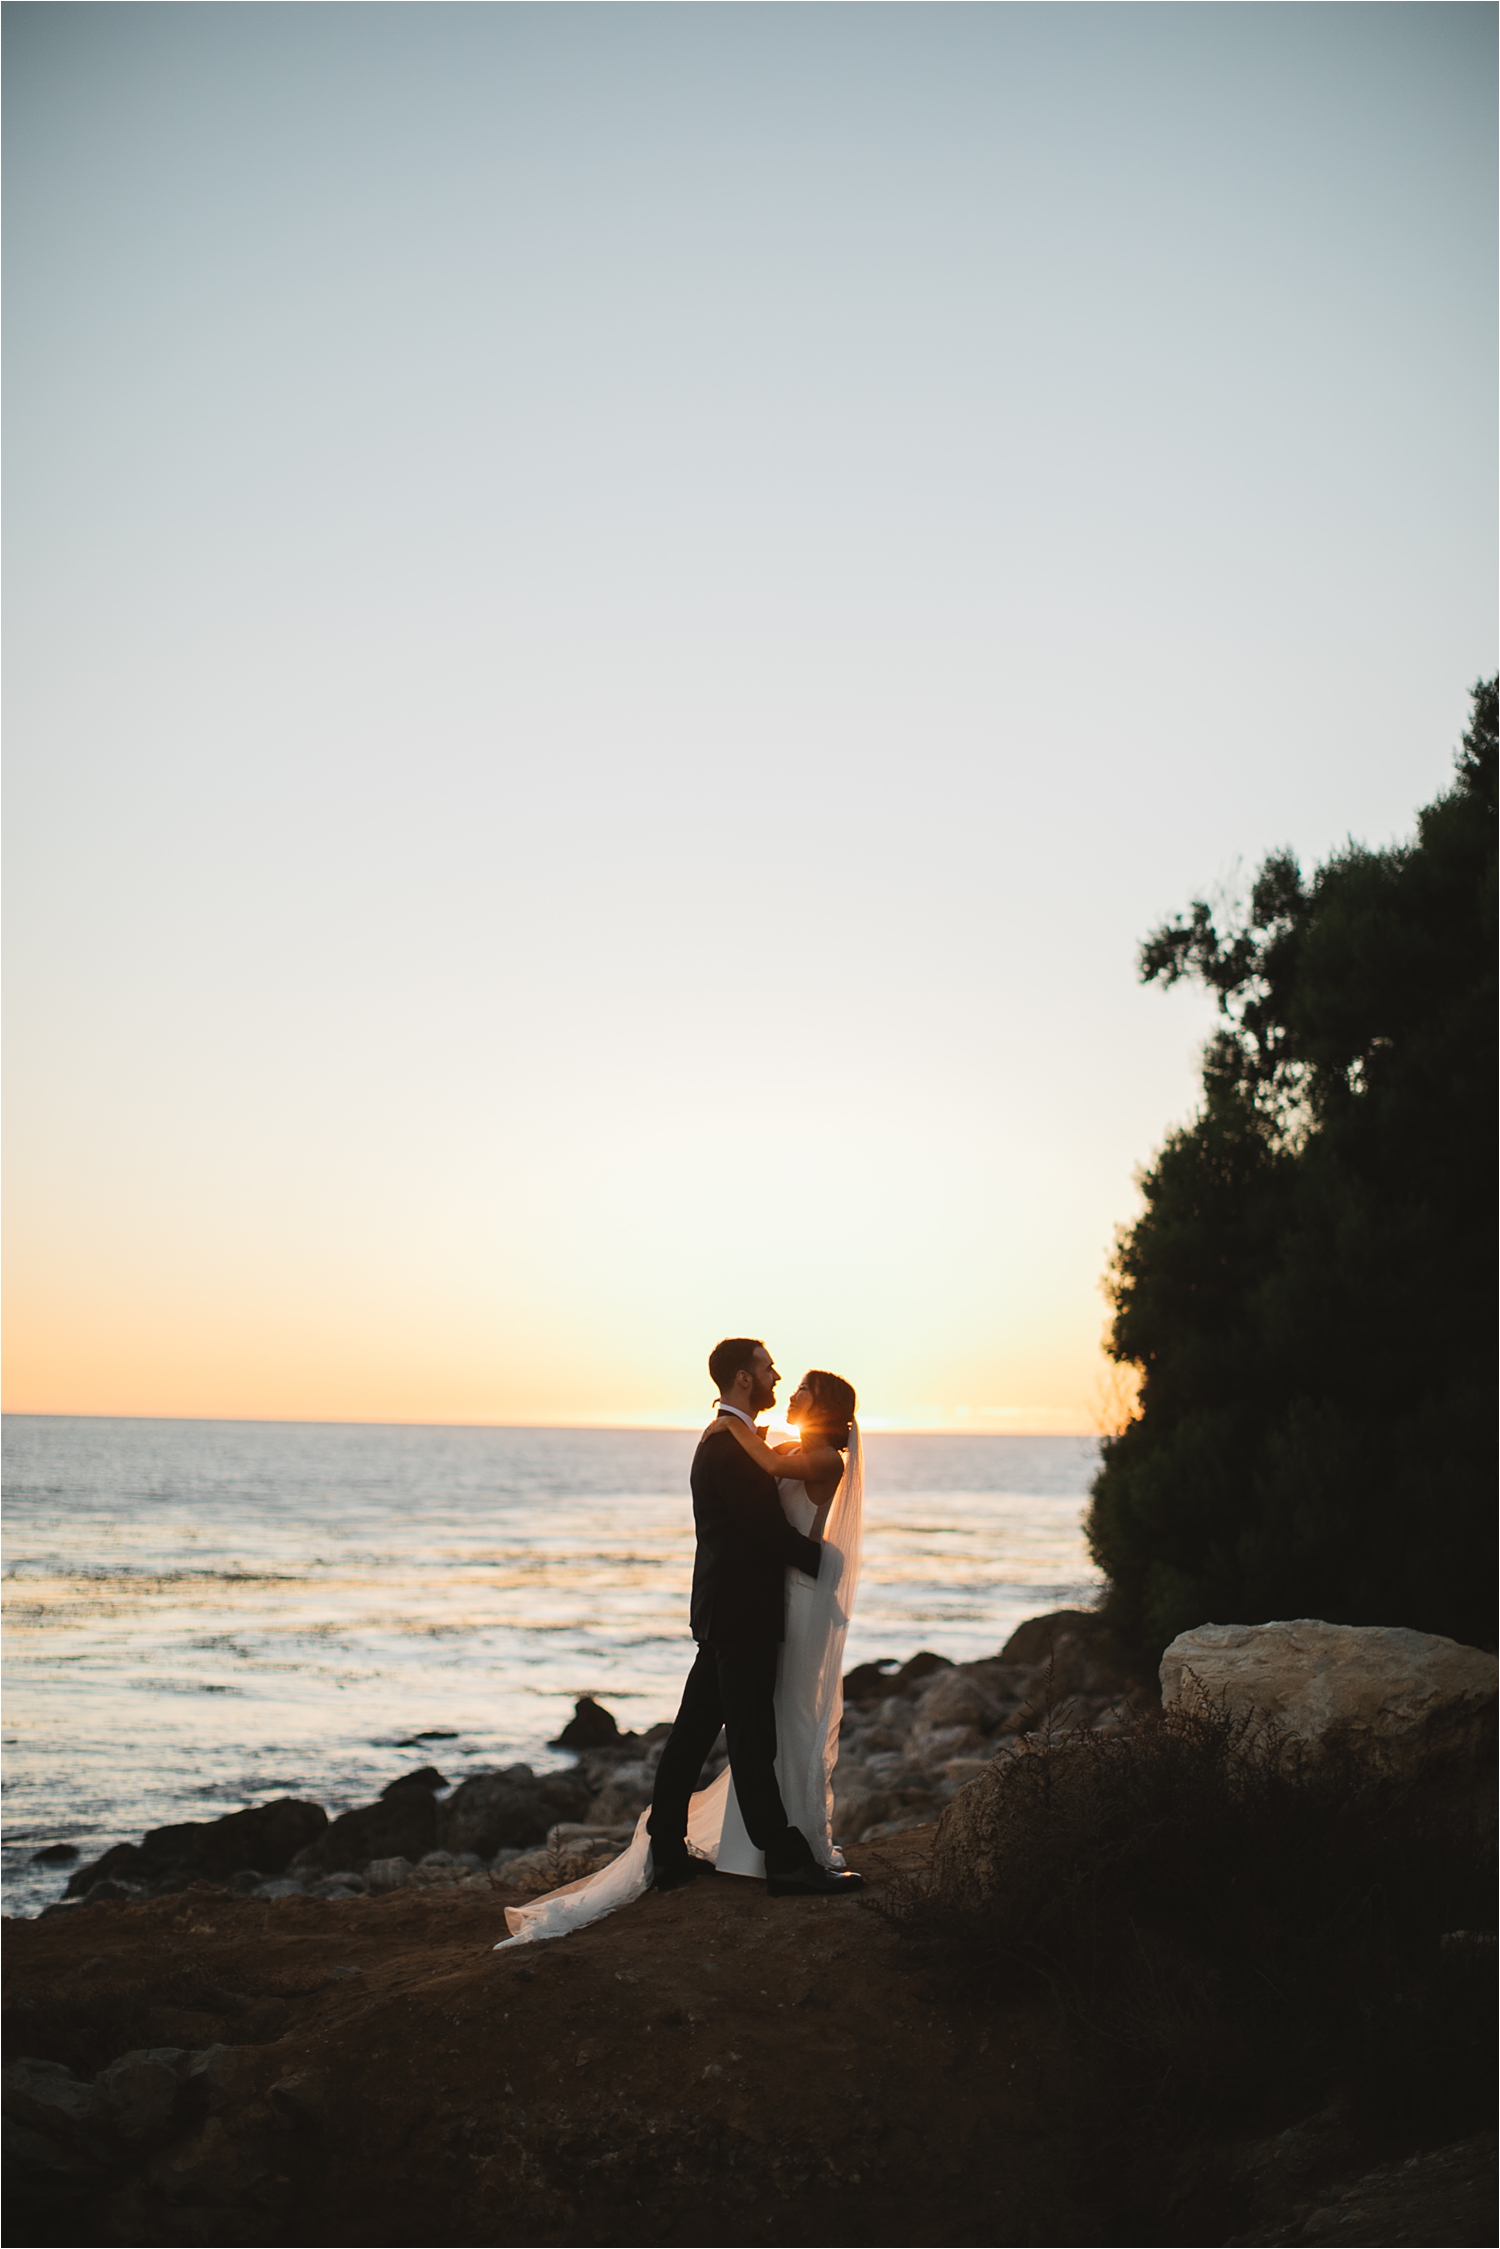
x=810, y=1676
x=809, y=1706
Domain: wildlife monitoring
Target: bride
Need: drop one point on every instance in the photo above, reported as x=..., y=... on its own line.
x=820, y=1483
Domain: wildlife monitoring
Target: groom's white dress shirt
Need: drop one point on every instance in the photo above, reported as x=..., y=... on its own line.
x=725, y=1407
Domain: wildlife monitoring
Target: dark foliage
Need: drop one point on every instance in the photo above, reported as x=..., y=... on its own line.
x=1308, y=1296
x=1233, y=1936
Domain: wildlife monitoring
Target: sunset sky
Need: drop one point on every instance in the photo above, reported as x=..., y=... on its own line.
x=619, y=619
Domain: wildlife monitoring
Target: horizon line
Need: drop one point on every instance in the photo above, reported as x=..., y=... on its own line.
x=980, y=1421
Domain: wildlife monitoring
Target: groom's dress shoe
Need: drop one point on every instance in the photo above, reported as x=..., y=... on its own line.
x=812, y=1881
x=674, y=1874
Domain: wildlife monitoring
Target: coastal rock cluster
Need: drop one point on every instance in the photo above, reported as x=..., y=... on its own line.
x=390, y=1845
x=912, y=1735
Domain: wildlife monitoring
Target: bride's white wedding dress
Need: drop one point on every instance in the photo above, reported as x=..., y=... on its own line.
x=809, y=1705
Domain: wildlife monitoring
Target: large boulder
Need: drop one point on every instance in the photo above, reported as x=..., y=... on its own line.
x=1070, y=1651
x=512, y=1808
x=427, y=1777
x=868, y=1682
x=401, y=1825
x=266, y=1836
x=1401, y=1701
x=874, y=1682
x=958, y=1698
x=1034, y=1641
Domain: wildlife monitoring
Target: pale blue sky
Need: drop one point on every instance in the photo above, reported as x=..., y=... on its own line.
x=619, y=619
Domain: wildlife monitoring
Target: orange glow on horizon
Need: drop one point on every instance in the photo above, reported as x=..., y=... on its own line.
x=248, y=1368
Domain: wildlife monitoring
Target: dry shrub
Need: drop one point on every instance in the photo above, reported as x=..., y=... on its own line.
x=1231, y=1931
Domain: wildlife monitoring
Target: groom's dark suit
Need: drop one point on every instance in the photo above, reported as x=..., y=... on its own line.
x=745, y=1547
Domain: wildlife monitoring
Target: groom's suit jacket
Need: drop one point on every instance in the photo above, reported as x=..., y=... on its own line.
x=745, y=1546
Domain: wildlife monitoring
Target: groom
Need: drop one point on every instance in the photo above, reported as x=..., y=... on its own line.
x=745, y=1547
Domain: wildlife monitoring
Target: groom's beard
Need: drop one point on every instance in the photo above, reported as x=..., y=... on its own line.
x=762, y=1398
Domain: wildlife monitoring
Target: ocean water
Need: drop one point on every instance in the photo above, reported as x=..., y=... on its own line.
x=203, y=1614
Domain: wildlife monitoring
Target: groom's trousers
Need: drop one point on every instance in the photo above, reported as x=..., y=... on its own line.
x=733, y=1685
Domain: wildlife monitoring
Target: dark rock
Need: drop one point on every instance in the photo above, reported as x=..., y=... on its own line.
x=399, y=1826
x=55, y=1854
x=859, y=1808
x=427, y=1777
x=590, y=1727
x=622, y=1799
x=872, y=1682
x=514, y=1807
x=1447, y=2195
x=29, y=2151
x=57, y=2132
x=265, y=1835
x=915, y=1669
x=1072, y=1651
x=48, y=2097
x=111, y=1891
x=869, y=1682
x=1033, y=1642
x=299, y=2098
x=433, y=1733
x=123, y=1858
x=224, y=2077
x=142, y=2091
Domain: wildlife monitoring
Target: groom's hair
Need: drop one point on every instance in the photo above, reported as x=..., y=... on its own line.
x=735, y=1355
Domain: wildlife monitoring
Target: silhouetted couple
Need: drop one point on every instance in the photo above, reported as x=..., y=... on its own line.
x=773, y=1584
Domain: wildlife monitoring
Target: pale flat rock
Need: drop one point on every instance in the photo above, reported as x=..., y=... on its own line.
x=1401, y=1700
x=388, y=1874
x=957, y=1698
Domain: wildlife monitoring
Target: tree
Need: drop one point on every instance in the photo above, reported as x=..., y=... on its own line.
x=1307, y=1299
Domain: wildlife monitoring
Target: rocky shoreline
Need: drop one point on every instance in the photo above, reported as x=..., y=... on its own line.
x=913, y=1735
x=206, y=2047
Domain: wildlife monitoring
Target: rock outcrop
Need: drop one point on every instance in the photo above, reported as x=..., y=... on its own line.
x=1402, y=1702
x=403, y=1824
x=1037, y=1639
x=872, y=1682
x=592, y=1727
x=513, y=1807
x=266, y=1837
x=937, y=1725
x=427, y=1776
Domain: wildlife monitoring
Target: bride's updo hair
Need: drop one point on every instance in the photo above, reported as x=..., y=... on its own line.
x=835, y=1401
